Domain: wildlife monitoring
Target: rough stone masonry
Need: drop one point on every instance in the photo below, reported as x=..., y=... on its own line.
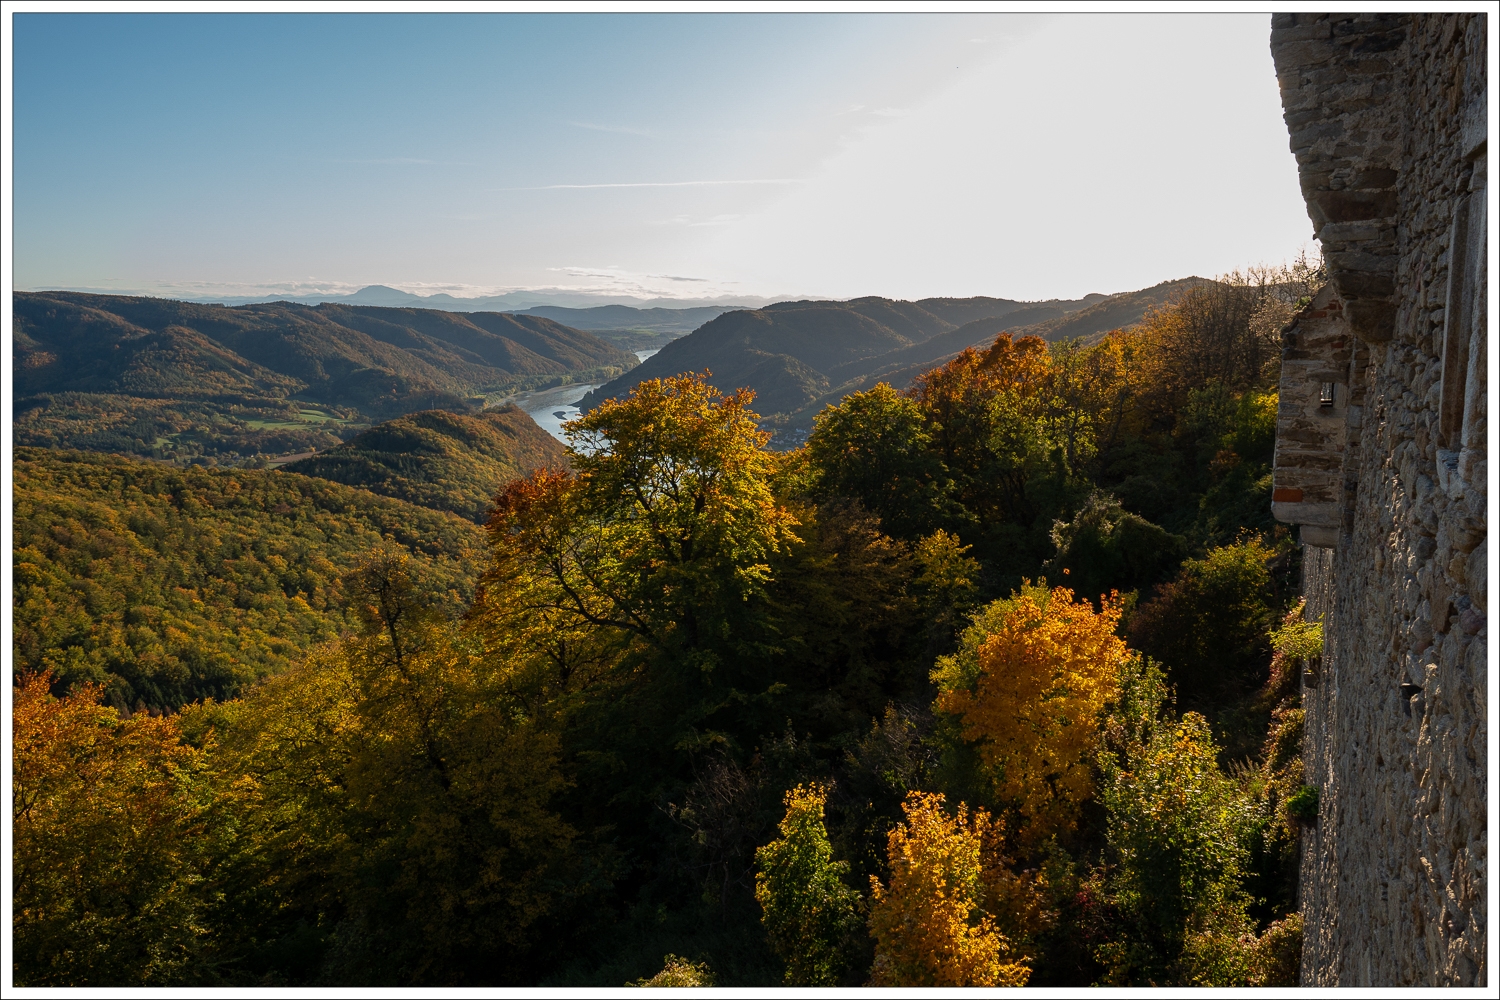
x=1381, y=457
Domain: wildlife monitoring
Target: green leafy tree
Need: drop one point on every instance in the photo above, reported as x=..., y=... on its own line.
x=638, y=586
x=1105, y=548
x=1176, y=833
x=666, y=528
x=986, y=413
x=1209, y=626
x=875, y=447
x=808, y=912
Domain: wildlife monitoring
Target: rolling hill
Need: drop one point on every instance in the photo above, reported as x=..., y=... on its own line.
x=792, y=353
x=446, y=461
x=170, y=585
x=382, y=361
x=220, y=378
x=802, y=356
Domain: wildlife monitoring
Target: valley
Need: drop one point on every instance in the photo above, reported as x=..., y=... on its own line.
x=568, y=614
x=190, y=383
x=342, y=581
x=265, y=384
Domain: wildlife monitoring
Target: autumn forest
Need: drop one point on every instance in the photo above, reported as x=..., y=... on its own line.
x=993, y=681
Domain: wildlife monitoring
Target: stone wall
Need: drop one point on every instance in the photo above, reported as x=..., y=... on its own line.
x=1387, y=117
x=1312, y=418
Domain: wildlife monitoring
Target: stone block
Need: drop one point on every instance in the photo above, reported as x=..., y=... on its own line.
x=1291, y=54
x=1309, y=31
x=1372, y=319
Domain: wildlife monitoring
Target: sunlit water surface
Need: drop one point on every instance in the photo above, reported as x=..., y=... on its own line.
x=551, y=408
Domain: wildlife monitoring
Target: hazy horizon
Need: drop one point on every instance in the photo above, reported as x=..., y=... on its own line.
x=646, y=159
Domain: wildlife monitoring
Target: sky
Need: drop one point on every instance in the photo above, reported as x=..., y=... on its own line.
x=639, y=156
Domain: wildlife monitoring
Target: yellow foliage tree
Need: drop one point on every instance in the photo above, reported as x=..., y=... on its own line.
x=403, y=798
x=1043, y=675
x=928, y=924
x=116, y=827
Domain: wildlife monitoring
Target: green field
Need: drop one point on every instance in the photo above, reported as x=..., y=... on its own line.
x=304, y=417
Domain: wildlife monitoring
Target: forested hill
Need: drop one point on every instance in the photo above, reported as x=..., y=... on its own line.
x=170, y=585
x=802, y=356
x=1115, y=312
x=447, y=461
x=186, y=382
x=787, y=351
x=381, y=361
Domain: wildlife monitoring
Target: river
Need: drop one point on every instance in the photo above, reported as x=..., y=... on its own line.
x=551, y=408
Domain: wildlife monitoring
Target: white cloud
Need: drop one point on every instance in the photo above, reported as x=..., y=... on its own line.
x=619, y=129
x=405, y=161
x=657, y=184
x=723, y=219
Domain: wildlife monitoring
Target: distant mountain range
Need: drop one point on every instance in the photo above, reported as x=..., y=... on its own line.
x=613, y=317
x=647, y=324
x=802, y=356
x=385, y=295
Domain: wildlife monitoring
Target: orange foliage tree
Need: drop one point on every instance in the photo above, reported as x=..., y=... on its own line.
x=1032, y=699
x=928, y=924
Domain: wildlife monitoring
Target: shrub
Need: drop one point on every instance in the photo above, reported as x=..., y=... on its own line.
x=1298, y=639
x=1278, y=954
x=679, y=972
x=1303, y=805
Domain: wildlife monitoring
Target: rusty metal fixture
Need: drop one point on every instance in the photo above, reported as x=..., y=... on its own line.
x=1312, y=671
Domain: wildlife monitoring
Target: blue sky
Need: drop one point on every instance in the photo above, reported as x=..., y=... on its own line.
x=684, y=156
